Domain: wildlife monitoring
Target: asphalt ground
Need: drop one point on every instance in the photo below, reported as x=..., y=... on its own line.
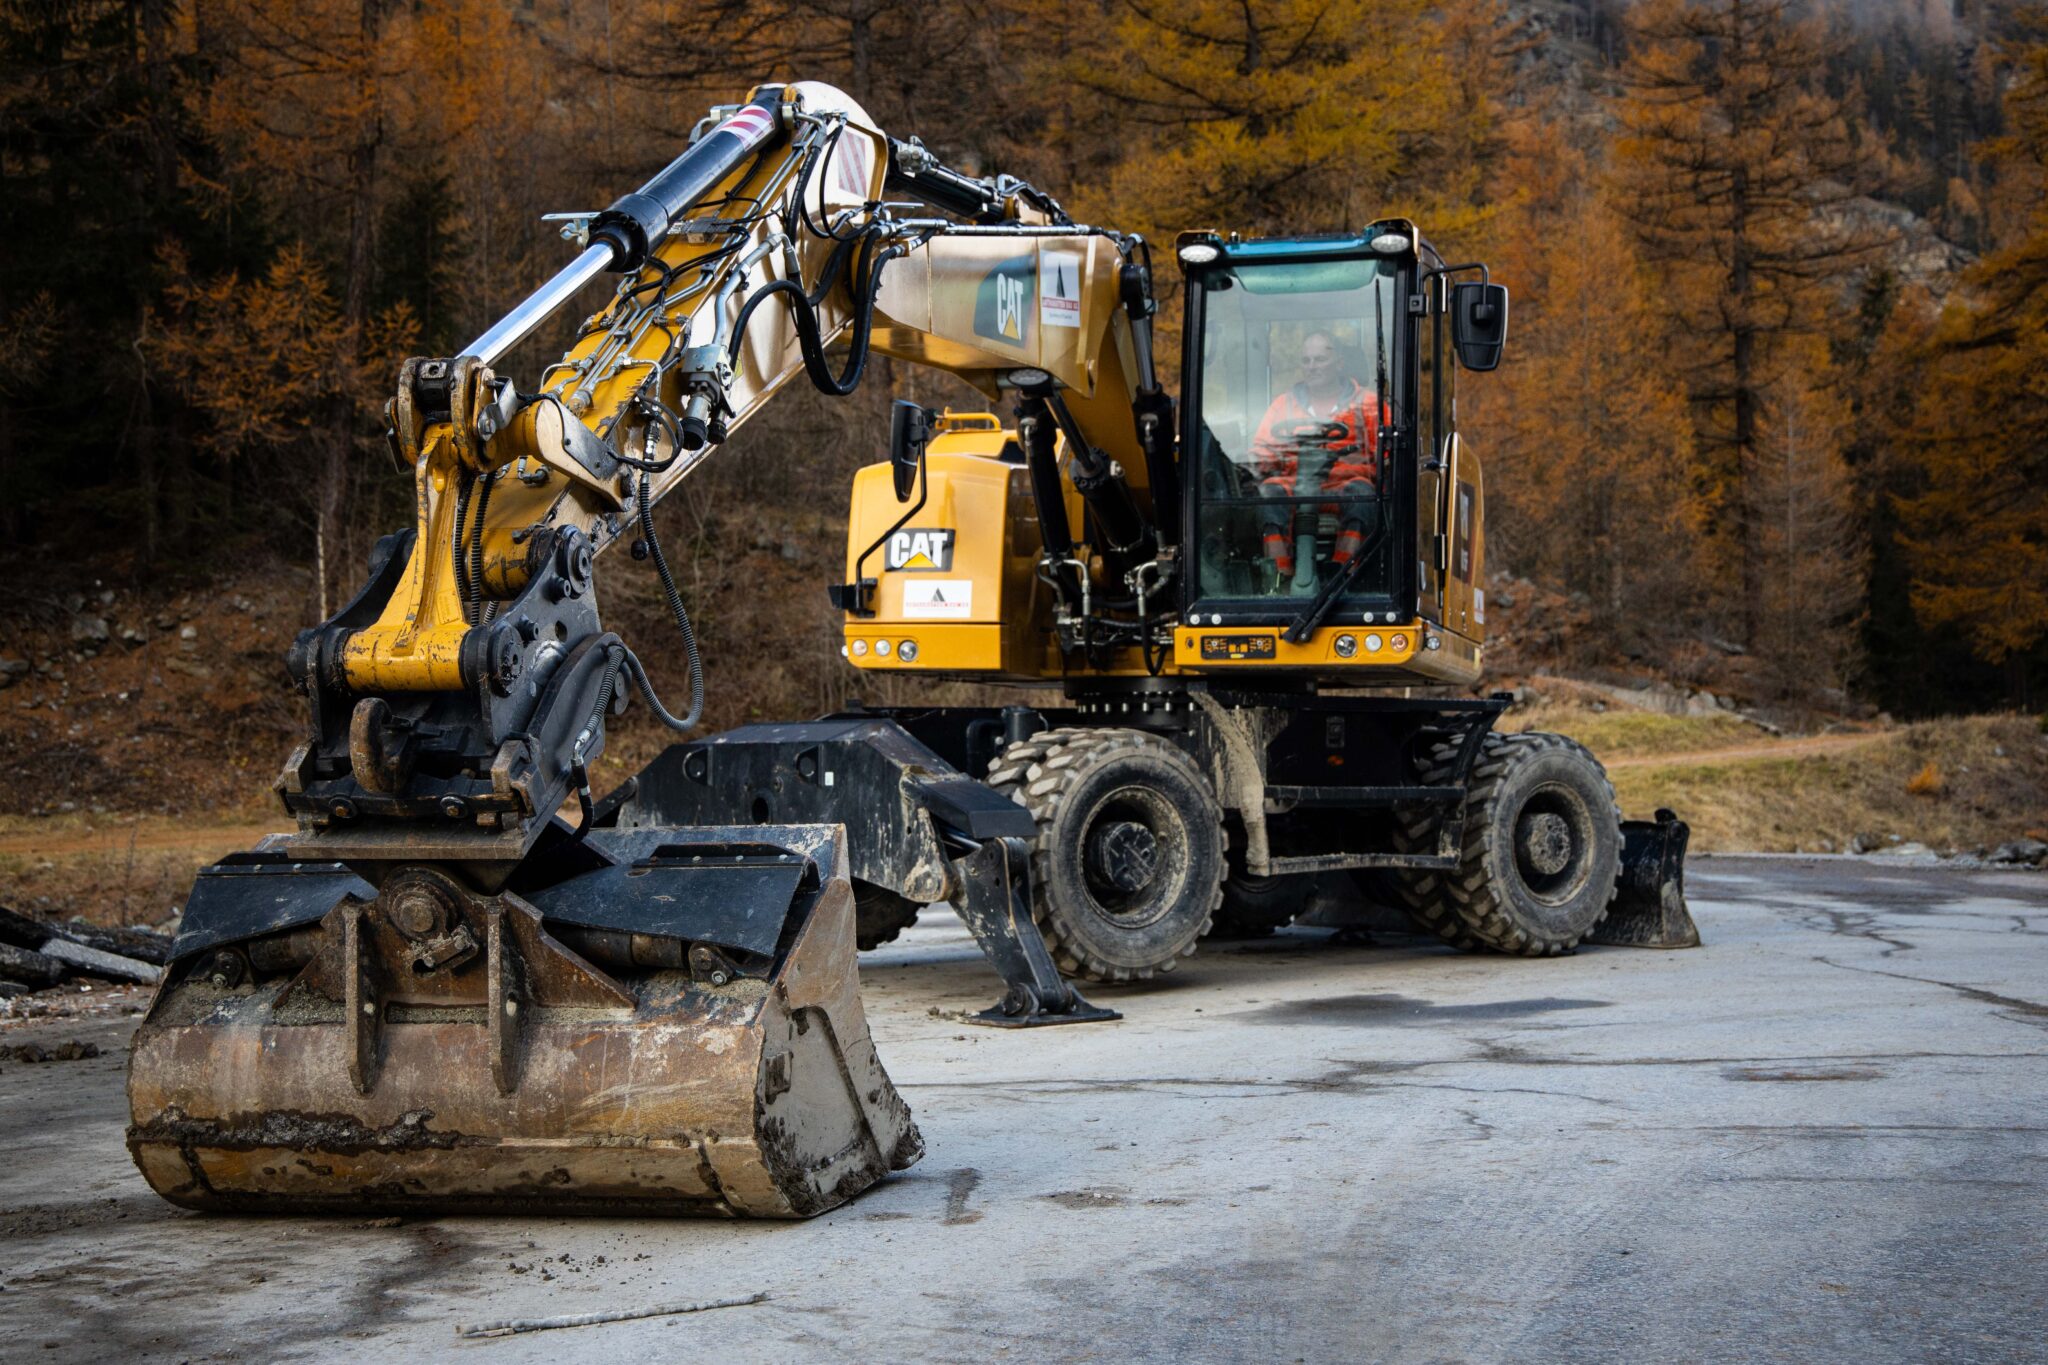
x=1821, y=1137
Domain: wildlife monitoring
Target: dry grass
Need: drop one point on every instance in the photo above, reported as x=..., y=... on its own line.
x=1963, y=783
x=1628, y=734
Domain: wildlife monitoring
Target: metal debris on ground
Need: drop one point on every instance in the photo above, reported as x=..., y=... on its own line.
x=38, y=954
x=516, y=1325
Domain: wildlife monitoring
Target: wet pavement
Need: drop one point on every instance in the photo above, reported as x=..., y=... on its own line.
x=1824, y=1135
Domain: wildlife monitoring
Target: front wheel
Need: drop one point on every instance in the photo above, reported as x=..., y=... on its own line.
x=1127, y=867
x=1542, y=848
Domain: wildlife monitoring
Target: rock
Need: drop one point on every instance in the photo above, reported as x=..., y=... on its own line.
x=1866, y=843
x=2027, y=852
x=132, y=637
x=11, y=669
x=91, y=630
x=1908, y=849
x=71, y=1051
x=188, y=633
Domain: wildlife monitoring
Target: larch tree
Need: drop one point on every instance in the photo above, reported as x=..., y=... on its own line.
x=1736, y=169
x=1584, y=428
x=1272, y=115
x=1811, y=543
x=1975, y=530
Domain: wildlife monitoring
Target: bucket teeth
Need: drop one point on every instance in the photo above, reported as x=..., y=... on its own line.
x=560, y=1066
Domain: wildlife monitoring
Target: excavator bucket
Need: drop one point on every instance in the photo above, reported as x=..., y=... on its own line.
x=1649, y=896
x=652, y=1021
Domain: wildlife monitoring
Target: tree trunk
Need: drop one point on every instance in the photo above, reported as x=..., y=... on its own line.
x=355, y=306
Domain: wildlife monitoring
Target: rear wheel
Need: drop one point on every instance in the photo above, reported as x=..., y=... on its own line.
x=1542, y=848
x=1127, y=867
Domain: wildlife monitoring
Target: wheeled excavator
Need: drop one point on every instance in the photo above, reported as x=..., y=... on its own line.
x=467, y=980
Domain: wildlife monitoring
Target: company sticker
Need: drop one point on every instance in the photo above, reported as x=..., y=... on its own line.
x=920, y=550
x=1059, y=298
x=1002, y=303
x=938, y=599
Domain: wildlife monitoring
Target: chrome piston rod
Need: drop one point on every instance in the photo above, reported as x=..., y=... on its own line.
x=540, y=305
x=623, y=235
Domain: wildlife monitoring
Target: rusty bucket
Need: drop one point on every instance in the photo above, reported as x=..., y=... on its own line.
x=631, y=1023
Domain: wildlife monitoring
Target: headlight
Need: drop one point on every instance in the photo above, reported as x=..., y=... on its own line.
x=860, y=647
x=1373, y=643
x=1399, y=643
x=881, y=646
x=1347, y=645
x=1389, y=243
x=907, y=651
x=1199, y=253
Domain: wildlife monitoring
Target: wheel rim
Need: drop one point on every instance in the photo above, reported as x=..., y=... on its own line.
x=1553, y=843
x=1133, y=856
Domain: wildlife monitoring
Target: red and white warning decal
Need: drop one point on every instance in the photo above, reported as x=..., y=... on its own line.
x=850, y=165
x=749, y=125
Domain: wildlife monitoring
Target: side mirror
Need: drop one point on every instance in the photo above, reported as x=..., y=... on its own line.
x=910, y=426
x=1479, y=324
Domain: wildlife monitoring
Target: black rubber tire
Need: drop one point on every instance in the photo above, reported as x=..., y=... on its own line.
x=1075, y=781
x=1254, y=907
x=1535, y=799
x=879, y=915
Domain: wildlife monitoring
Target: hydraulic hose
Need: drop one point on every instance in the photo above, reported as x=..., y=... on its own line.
x=867, y=283
x=675, y=605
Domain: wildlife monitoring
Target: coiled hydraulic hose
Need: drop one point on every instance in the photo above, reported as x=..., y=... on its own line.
x=866, y=284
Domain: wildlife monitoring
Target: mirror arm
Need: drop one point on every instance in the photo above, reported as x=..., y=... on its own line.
x=853, y=597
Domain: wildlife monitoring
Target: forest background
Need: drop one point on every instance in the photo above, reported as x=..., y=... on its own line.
x=1772, y=421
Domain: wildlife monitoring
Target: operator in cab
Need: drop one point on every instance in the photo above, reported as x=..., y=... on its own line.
x=1322, y=435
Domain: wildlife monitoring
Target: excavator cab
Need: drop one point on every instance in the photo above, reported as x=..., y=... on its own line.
x=1293, y=413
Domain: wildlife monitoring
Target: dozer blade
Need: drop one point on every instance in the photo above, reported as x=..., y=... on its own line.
x=1649, y=896
x=656, y=1021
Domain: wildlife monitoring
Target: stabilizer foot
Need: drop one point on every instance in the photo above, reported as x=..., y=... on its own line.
x=994, y=902
x=1003, y=1015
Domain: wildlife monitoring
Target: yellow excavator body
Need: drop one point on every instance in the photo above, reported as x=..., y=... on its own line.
x=468, y=981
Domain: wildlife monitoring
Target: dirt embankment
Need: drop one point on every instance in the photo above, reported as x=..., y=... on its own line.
x=1961, y=785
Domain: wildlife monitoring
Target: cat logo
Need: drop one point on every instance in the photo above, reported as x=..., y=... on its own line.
x=1002, y=306
x=915, y=551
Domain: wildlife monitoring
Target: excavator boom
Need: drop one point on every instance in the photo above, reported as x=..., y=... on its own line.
x=439, y=991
